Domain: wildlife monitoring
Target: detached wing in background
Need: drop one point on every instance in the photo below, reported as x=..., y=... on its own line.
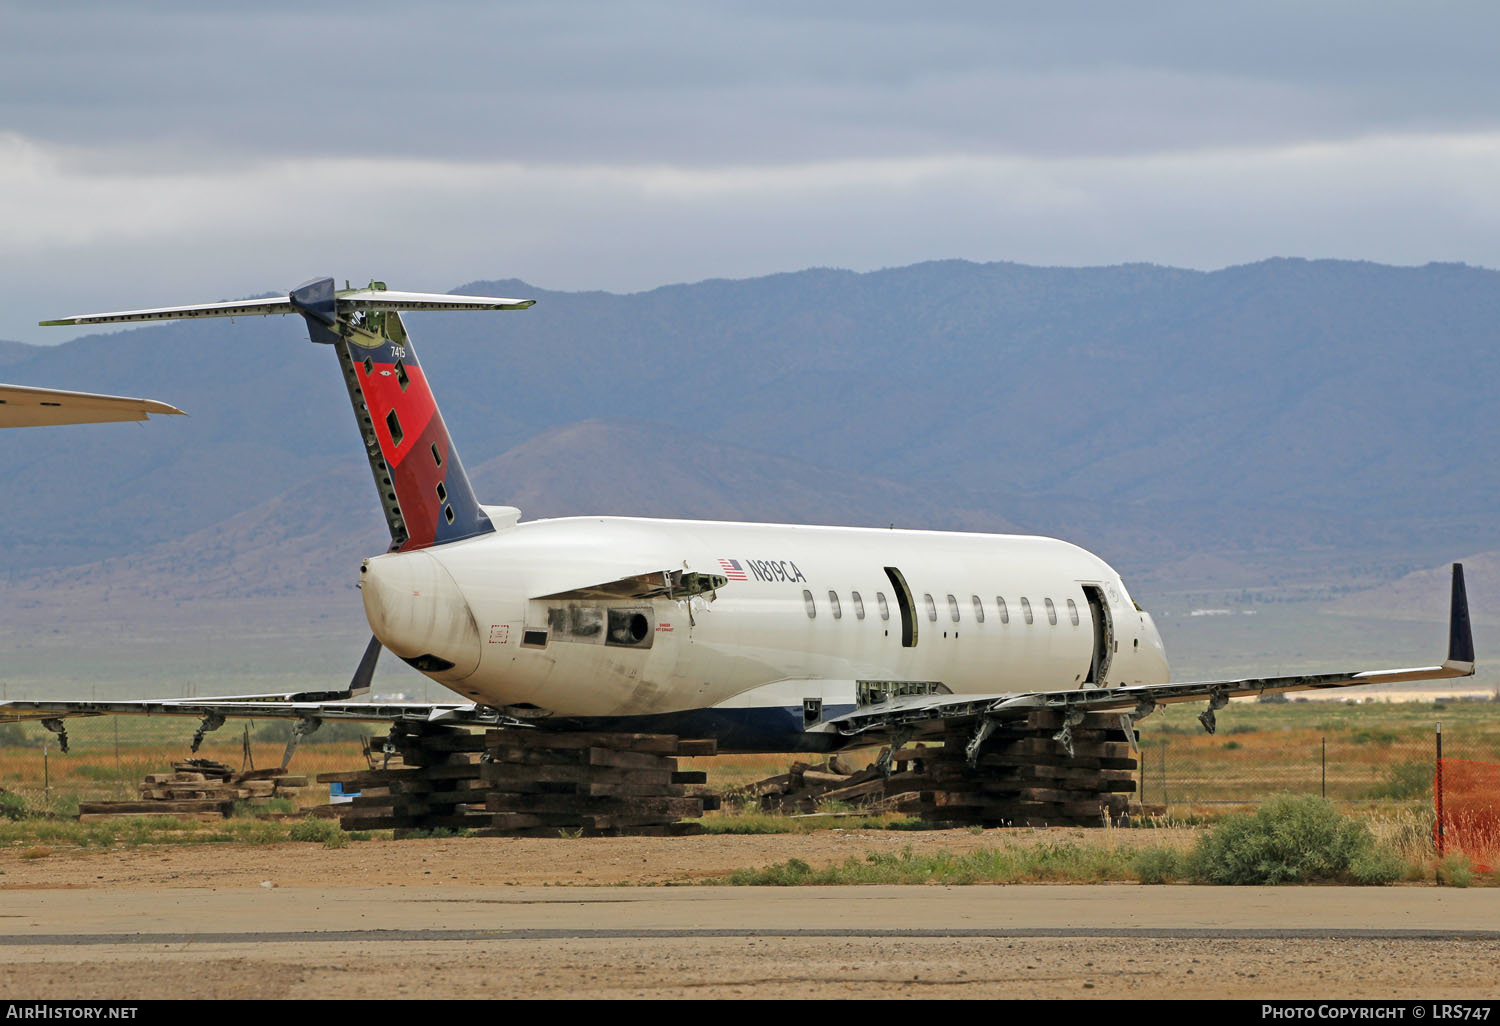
x=308, y=708
x=22, y=406
x=916, y=715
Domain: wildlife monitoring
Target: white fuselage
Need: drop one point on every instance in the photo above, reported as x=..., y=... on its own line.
x=808, y=613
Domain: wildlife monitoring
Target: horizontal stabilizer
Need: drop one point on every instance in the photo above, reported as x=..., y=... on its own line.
x=370, y=299
x=346, y=301
x=242, y=308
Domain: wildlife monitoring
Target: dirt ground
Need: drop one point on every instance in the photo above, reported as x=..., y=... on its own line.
x=501, y=861
x=151, y=922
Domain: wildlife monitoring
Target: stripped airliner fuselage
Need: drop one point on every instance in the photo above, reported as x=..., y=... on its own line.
x=762, y=636
x=802, y=615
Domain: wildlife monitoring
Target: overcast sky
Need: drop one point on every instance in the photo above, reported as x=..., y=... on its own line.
x=160, y=153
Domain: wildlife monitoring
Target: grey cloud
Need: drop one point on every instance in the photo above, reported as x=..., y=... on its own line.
x=430, y=226
x=709, y=83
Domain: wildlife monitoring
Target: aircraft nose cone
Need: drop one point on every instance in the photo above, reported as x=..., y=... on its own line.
x=417, y=611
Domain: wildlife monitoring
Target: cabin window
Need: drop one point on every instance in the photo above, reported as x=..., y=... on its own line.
x=931, y=607
x=1073, y=612
x=442, y=492
x=1051, y=612
x=885, y=609
x=978, y=609
x=1004, y=611
x=437, y=457
x=629, y=627
x=953, y=608
x=393, y=425
x=1026, y=609
x=401, y=375
x=812, y=607
x=859, y=605
x=833, y=604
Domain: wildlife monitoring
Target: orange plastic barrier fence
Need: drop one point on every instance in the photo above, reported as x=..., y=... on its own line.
x=1467, y=795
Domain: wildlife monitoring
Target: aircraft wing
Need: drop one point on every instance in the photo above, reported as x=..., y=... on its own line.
x=308, y=708
x=259, y=707
x=915, y=715
x=212, y=714
x=24, y=406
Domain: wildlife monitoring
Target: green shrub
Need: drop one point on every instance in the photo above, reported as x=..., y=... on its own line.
x=322, y=830
x=1156, y=865
x=13, y=806
x=1455, y=870
x=1290, y=839
x=13, y=735
x=1405, y=781
x=1066, y=861
x=246, y=808
x=783, y=874
x=280, y=732
x=1377, y=866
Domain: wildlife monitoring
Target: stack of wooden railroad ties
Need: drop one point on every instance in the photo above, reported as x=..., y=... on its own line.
x=198, y=789
x=1023, y=776
x=533, y=783
x=520, y=782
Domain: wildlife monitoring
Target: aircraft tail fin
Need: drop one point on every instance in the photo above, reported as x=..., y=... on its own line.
x=1460, y=631
x=424, y=491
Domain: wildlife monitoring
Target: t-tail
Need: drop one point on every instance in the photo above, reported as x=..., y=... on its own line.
x=423, y=489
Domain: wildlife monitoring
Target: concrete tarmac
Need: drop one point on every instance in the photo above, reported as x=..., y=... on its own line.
x=804, y=942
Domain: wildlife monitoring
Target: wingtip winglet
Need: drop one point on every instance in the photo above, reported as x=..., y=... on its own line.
x=1460, y=633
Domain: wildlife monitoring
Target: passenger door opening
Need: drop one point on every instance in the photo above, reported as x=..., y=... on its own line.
x=904, y=603
x=1103, y=634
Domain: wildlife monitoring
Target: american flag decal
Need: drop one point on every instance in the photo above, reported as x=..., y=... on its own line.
x=732, y=569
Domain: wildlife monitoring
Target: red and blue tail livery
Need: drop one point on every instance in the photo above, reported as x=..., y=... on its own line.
x=423, y=489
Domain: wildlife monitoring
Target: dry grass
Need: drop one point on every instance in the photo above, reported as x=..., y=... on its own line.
x=96, y=773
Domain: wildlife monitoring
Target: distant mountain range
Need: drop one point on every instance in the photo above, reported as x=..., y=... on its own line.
x=1285, y=423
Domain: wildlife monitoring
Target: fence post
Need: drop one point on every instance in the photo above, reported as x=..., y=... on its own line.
x=1325, y=767
x=46, y=773
x=1164, y=774
x=1438, y=789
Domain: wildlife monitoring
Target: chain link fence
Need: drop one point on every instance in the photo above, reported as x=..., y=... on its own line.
x=1348, y=755
x=109, y=756
x=1378, y=755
